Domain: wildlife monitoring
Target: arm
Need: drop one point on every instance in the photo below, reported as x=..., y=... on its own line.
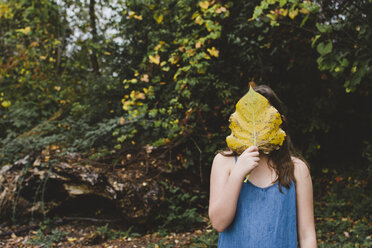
x=225, y=186
x=305, y=208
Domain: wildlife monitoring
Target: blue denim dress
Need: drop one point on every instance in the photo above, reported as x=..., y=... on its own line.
x=264, y=218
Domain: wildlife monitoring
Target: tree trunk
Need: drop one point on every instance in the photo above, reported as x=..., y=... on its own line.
x=93, y=55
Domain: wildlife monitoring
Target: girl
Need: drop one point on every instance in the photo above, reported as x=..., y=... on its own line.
x=274, y=207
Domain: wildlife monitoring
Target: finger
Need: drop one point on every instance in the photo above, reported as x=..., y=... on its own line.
x=256, y=160
x=251, y=149
x=254, y=154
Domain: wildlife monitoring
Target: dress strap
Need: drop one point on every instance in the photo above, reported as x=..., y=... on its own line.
x=235, y=159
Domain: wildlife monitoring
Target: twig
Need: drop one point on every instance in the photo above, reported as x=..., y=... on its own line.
x=93, y=219
x=200, y=164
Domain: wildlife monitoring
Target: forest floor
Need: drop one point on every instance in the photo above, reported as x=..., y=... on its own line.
x=341, y=209
x=78, y=234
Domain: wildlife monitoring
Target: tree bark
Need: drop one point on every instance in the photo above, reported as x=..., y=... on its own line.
x=93, y=55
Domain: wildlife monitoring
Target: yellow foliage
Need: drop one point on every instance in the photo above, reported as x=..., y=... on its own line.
x=283, y=12
x=293, y=13
x=6, y=104
x=158, y=46
x=5, y=11
x=305, y=11
x=204, y=4
x=199, y=20
x=145, y=78
x=190, y=52
x=220, y=10
x=213, y=51
x=122, y=121
x=132, y=14
x=255, y=122
x=198, y=44
x=174, y=59
x=158, y=18
x=154, y=59
x=25, y=31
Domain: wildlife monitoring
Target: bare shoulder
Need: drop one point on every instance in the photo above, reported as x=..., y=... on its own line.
x=221, y=162
x=301, y=170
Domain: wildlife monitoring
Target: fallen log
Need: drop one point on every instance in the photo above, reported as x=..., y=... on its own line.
x=41, y=186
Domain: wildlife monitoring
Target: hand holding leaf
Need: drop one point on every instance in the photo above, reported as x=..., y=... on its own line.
x=255, y=123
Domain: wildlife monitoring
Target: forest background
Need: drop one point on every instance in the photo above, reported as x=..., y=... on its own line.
x=113, y=80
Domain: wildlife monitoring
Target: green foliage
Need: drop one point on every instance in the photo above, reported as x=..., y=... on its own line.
x=108, y=234
x=44, y=239
x=178, y=211
x=341, y=209
x=164, y=96
x=207, y=240
x=341, y=34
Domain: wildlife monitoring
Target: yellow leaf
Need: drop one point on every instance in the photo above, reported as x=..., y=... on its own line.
x=5, y=11
x=293, y=13
x=206, y=56
x=122, y=121
x=34, y=44
x=271, y=16
x=154, y=59
x=204, y=5
x=199, y=20
x=305, y=11
x=158, y=18
x=213, y=51
x=145, y=78
x=174, y=59
x=71, y=239
x=140, y=95
x=190, y=52
x=255, y=122
x=220, y=9
x=25, y=31
x=6, y=104
x=283, y=12
x=131, y=14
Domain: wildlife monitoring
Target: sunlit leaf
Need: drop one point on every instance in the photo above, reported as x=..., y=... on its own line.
x=293, y=13
x=213, y=51
x=6, y=104
x=154, y=59
x=255, y=122
x=25, y=31
x=158, y=17
x=204, y=5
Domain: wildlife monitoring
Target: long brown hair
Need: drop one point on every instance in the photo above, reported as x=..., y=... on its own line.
x=279, y=160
